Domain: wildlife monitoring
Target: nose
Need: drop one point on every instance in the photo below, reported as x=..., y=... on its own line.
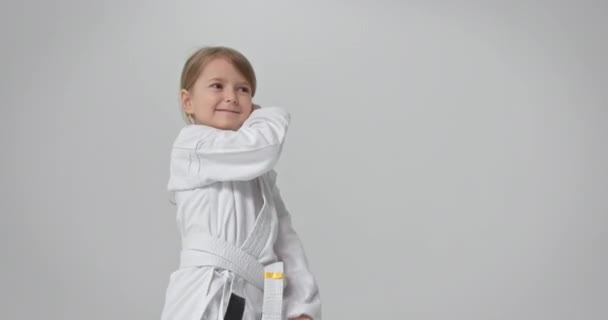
x=230, y=96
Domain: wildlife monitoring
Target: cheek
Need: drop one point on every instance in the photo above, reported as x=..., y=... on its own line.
x=247, y=107
x=244, y=115
x=205, y=103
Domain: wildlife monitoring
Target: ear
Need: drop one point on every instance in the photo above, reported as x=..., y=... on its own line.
x=186, y=100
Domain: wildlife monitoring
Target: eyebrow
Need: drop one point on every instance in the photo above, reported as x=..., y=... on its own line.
x=223, y=80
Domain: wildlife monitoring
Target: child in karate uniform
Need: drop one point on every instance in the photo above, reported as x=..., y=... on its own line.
x=241, y=258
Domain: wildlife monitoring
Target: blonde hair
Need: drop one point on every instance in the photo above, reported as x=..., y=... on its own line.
x=201, y=57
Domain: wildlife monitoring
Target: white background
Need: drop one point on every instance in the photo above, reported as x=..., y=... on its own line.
x=445, y=160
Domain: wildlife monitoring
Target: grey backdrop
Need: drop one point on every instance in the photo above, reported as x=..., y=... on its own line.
x=445, y=160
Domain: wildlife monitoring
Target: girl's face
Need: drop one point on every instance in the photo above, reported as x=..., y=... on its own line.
x=220, y=97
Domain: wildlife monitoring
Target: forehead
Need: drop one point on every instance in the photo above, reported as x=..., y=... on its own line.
x=221, y=68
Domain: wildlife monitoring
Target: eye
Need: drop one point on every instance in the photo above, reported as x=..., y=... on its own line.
x=216, y=85
x=244, y=89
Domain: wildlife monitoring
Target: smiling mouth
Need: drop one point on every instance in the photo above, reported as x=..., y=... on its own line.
x=230, y=111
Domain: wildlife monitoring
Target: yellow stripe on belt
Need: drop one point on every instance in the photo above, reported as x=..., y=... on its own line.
x=273, y=275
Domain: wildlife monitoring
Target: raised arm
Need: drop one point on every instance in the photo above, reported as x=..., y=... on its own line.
x=203, y=155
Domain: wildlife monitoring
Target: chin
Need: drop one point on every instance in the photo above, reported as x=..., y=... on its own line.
x=228, y=126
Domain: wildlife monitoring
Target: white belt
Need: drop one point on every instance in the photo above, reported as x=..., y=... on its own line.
x=205, y=250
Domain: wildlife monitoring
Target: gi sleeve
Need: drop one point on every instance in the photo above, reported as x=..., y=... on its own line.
x=202, y=155
x=301, y=295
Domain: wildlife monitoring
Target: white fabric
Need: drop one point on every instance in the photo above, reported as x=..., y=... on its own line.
x=273, y=293
x=222, y=181
x=204, y=250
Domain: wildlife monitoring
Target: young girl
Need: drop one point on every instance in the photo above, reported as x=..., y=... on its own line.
x=240, y=258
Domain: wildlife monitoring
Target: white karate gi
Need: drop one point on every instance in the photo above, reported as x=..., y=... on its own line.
x=222, y=181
